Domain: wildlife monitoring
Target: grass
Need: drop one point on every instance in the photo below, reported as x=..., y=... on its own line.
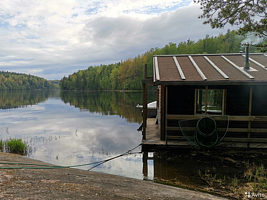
x=1, y=145
x=16, y=146
x=258, y=176
x=235, y=181
x=254, y=179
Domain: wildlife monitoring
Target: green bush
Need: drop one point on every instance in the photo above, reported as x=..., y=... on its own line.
x=1, y=145
x=13, y=146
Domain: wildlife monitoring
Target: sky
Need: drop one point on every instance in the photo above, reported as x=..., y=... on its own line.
x=55, y=38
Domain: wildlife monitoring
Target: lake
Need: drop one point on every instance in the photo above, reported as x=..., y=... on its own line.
x=72, y=128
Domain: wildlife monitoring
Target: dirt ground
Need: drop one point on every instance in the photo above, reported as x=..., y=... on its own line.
x=78, y=184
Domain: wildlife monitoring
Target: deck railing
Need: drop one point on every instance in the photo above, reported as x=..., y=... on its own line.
x=232, y=132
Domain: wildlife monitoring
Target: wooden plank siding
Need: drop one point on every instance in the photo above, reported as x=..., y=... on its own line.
x=239, y=103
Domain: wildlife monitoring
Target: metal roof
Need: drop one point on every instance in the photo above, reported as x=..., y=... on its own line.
x=209, y=69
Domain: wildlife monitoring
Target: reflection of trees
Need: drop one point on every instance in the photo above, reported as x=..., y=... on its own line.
x=107, y=103
x=22, y=98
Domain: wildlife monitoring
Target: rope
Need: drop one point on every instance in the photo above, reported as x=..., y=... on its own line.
x=56, y=167
x=126, y=153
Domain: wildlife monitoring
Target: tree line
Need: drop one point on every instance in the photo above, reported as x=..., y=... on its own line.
x=18, y=81
x=127, y=75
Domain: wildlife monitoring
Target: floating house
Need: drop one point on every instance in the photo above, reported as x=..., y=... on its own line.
x=208, y=100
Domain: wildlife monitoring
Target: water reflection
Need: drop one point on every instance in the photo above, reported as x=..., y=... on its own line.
x=107, y=103
x=89, y=127
x=21, y=98
x=81, y=128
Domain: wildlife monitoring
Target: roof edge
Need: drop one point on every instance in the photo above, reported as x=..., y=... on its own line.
x=226, y=82
x=221, y=54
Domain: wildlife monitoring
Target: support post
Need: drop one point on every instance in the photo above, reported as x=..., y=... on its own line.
x=145, y=170
x=144, y=110
x=162, y=112
x=224, y=102
x=249, y=112
x=157, y=98
x=206, y=100
x=165, y=113
x=145, y=71
x=195, y=103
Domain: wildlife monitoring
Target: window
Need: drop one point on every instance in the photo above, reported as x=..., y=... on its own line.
x=215, y=101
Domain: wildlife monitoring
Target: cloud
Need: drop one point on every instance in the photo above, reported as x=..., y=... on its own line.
x=53, y=39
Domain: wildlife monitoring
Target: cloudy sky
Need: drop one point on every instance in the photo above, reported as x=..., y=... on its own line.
x=54, y=38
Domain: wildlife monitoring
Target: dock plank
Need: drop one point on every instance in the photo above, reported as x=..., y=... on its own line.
x=153, y=138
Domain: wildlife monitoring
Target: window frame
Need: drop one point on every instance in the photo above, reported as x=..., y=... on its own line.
x=206, y=90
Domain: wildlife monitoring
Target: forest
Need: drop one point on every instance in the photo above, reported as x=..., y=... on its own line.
x=17, y=81
x=127, y=75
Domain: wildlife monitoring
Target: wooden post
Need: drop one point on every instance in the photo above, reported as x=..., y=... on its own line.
x=195, y=104
x=162, y=112
x=250, y=100
x=145, y=71
x=249, y=112
x=144, y=110
x=224, y=102
x=206, y=100
x=145, y=170
x=157, y=97
x=165, y=113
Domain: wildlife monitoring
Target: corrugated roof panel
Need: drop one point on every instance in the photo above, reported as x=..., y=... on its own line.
x=238, y=66
x=257, y=63
x=260, y=58
x=189, y=70
x=207, y=69
x=216, y=68
x=227, y=68
x=179, y=68
x=259, y=75
x=167, y=69
x=197, y=68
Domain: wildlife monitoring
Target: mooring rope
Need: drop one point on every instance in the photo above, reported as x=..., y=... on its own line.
x=129, y=152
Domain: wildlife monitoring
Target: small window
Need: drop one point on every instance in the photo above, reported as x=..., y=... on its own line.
x=215, y=101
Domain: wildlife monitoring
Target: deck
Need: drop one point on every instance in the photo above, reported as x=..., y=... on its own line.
x=153, y=142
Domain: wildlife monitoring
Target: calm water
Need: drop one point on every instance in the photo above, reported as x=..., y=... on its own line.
x=73, y=128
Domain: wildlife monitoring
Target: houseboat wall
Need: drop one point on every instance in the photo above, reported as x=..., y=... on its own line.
x=238, y=100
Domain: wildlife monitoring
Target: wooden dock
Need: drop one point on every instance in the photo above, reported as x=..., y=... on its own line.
x=153, y=141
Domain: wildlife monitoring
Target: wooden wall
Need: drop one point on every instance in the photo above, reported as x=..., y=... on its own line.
x=181, y=99
x=246, y=106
